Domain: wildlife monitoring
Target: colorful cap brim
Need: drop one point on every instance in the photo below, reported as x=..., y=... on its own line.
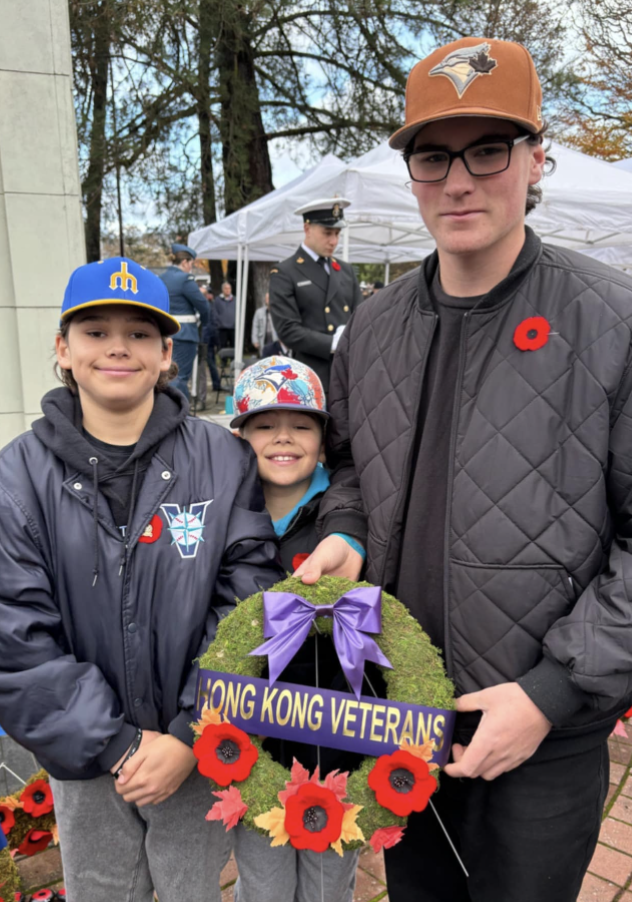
x=170, y=323
x=299, y=408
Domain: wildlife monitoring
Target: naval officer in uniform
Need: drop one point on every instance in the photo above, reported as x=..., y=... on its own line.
x=190, y=307
x=313, y=293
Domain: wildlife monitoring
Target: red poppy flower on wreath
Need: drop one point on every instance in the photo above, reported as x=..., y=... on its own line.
x=402, y=783
x=225, y=753
x=335, y=265
x=35, y=841
x=532, y=333
x=7, y=819
x=43, y=895
x=313, y=817
x=37, y=799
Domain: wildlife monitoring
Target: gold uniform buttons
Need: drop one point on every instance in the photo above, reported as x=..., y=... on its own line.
x=330, y=327
x=327, y=310
x=346, y=308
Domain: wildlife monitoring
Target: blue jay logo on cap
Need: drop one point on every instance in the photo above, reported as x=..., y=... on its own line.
x=186, y=528
x=125, y=278
x=465, y=65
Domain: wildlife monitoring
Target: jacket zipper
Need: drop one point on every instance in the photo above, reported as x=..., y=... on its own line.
x=448, y=507
x=411, y=447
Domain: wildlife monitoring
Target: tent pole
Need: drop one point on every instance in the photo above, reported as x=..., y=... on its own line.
x=238, y=300
x=345, y=243
x=239, y=349
x=387, y=272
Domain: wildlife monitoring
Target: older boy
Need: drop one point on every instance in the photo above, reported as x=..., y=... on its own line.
x=480, y=430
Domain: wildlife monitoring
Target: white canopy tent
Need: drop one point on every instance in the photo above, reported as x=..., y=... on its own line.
x=587, y=207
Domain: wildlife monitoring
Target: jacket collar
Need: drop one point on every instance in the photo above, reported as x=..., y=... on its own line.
x=311, y=268
x=499, y=294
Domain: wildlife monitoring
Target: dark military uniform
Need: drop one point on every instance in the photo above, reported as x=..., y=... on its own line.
x=308, y=305
x=185, y=300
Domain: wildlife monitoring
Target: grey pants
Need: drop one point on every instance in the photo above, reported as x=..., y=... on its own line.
x=113, y=851
x=284, y=874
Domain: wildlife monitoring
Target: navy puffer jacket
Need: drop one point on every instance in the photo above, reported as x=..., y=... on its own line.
x=83, y=665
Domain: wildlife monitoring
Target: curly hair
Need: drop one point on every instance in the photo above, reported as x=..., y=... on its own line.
x=68, y=380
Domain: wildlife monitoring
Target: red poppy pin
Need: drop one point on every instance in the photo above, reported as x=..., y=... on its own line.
x=299, y=559
x=335, y=265
x=532, y=333
x=152, y=530
x=37, y=799
x=402, y=783
x=225, y=753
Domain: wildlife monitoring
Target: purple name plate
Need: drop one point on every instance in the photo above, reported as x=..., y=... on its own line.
x=368, y=726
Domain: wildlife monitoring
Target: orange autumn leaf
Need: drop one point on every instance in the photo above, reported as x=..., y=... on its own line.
x=230, y=809
x=424, y=751
x=274, y=822
x=209, y=716
x=10, y=803
x=350, y=829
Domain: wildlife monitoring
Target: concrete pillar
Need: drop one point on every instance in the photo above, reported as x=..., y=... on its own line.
x=41, y=227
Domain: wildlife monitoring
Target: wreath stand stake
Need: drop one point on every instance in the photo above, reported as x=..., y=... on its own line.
x=322, y=877
x=430, y=802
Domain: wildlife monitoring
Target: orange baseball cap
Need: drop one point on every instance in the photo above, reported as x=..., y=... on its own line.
x=472, y=77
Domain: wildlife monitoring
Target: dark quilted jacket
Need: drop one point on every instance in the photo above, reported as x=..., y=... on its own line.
x=538, y=525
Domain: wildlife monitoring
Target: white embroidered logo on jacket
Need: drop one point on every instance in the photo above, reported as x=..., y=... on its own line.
x=186, y=527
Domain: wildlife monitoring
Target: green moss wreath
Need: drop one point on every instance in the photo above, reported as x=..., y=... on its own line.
x=28, y=820
x=417, y=677
x=10, y=883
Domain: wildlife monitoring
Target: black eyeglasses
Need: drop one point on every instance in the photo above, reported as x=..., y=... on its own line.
x=480, y=159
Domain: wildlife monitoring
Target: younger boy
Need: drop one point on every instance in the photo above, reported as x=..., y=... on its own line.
x=127, y=530
x=281, y=413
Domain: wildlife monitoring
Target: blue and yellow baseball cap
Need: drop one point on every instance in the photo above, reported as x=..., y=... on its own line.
x=118, y=281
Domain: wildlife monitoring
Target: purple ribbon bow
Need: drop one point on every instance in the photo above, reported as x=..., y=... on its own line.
x=287, y=620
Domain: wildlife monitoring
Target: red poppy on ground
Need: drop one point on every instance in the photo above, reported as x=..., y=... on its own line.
x=37, y=799
x=313, y=817
x=225, y=753
x=628, y=713
x=43, y=895
x=152, y=530
x=335, y=265
x=532, y=333
x=402, y=783
x=7, y=819
x=299, y=559
x=34, y=841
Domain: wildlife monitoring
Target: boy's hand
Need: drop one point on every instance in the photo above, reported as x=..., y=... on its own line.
x=156, y=771
x=511, y=729
x=147, y=737
x=331, y=557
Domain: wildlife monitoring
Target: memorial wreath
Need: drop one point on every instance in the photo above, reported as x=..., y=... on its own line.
x=27, y=818
x=408, y=732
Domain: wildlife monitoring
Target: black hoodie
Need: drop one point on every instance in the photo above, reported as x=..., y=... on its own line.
x=61, y=431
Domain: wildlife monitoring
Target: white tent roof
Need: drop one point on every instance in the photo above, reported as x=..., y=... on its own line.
x=624, y=164
x=587, y=206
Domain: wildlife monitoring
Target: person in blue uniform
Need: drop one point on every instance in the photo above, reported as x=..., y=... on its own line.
x=186, y=301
